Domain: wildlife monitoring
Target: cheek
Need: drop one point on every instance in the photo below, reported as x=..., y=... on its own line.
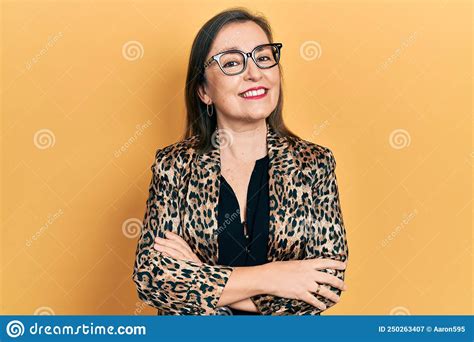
x=275, y=82
x=275, y=78
x=276, y=85
x=223, y=89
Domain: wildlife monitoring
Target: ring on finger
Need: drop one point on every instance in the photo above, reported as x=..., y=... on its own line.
x=318, y=289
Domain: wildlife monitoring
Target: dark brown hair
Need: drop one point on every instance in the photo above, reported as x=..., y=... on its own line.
x=197, y=121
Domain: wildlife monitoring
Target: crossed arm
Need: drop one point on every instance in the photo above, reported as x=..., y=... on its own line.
x=188, y=286
x=176, y=247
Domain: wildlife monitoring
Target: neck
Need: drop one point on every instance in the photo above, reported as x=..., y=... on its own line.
x=248, y=140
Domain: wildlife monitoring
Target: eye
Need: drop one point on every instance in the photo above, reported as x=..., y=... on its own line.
x=226, y=65
x=263, y=60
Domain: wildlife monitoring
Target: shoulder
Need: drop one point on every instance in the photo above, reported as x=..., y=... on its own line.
x=174, y=157
x=317, y=160
x=313, y=155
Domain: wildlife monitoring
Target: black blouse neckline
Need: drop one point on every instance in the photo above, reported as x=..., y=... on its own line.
x=261, y=159
x=259, y=163
x=245, y=243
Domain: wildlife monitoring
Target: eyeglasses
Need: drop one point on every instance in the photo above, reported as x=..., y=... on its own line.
x=234, y=62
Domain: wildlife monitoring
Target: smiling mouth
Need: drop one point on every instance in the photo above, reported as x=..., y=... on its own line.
x=254, y=94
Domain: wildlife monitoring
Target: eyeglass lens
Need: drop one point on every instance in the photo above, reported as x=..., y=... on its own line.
x=265, y=56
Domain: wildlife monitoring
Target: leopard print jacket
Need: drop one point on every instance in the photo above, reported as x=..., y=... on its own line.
x=305, y=222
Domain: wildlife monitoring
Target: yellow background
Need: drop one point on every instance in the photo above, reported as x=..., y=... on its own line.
x=388, y=90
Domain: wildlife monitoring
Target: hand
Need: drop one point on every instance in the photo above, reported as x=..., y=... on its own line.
x=244, y=305
x=174, y=246
x=299, y=279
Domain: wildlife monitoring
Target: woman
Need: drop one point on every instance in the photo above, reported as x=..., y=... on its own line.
x=243, y=217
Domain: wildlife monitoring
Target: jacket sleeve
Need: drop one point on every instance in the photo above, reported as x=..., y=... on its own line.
x=173, y=286
x=326, y=239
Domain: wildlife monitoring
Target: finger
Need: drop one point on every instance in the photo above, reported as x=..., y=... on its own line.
x=327, y=263
x=322, y=277
x=178, y=239
x=177, y=253
x=311, y=299
x=325, y=292
x=171, y=251
x=167, y=250
x=196, y=259
x=170, y=243
x=175, y=242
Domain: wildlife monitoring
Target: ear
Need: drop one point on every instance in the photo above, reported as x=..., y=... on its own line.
x=203, y=94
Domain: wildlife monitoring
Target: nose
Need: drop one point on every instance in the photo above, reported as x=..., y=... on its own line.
x=252, y=71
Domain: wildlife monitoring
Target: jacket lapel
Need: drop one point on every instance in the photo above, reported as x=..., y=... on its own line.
x=205, y=181
x=280, y=171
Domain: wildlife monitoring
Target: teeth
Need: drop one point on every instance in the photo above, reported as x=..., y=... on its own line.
x=254, y=93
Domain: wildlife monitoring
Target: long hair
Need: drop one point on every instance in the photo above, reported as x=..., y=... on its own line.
x=197, y=121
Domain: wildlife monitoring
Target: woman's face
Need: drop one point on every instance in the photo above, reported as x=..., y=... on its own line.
x=225, y=92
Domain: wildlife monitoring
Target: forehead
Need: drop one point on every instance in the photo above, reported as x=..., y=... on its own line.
x=242, y=36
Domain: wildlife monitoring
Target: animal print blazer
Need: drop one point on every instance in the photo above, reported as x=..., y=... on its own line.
x=305, y=222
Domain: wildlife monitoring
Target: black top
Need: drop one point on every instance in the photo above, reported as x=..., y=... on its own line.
x=244, y=243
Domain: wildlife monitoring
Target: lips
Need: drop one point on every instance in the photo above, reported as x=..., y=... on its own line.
x=254, y=92
x=251, y=89
x=254, y=97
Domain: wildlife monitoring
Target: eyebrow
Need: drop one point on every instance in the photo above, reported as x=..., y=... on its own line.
x=228, y=48
x=237, y=48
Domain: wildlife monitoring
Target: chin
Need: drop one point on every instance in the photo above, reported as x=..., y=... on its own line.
x=257, y=116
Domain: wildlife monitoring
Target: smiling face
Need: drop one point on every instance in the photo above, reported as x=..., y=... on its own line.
x=225, y=92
